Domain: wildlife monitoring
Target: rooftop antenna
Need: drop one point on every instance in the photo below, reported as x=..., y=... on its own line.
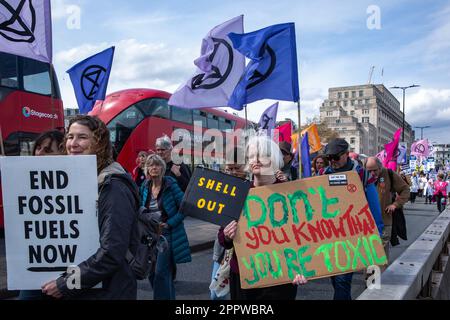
x=370, y=75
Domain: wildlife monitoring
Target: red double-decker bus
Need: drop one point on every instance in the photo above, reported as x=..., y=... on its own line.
x=137, y=117
x=30, y=103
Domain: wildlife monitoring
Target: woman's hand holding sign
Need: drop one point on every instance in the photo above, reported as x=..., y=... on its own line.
x=230, y=230
x=51, y=289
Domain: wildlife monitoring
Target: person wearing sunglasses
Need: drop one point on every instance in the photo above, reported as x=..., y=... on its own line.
x=337, y=152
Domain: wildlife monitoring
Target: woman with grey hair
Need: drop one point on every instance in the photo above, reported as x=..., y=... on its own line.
x=180, y=172
x=162, y=196
x=264, y=159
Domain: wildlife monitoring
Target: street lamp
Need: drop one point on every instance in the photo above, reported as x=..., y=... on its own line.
x=421, y=130
x=404, y=88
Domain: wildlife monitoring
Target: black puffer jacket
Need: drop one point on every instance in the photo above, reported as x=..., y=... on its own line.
x=117, y=216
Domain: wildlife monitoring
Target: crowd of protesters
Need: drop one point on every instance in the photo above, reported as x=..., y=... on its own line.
x=158, y=185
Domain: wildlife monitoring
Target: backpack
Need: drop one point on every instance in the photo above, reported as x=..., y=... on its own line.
x=141, y=256
x=143, y=261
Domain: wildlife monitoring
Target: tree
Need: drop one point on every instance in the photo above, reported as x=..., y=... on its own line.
x=325, y=132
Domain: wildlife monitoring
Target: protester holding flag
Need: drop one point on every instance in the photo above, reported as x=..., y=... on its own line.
x=264, y=159
x=118, y=204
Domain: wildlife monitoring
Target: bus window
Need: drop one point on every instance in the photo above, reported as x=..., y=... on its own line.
x=200, y=116
x=154, y=108
x=20, y=143
x=224, y=124
x=181, y=115
x=213, y=121
x=8, y=71
x=122, y=126
x=36, y=77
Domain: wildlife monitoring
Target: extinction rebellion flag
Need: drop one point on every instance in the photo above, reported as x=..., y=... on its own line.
x=90, y=79
x=26, y=29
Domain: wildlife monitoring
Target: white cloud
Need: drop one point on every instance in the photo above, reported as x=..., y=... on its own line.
x=430, y=107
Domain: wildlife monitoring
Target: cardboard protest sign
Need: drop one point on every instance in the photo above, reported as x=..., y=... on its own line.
x=315, y=227
x=214, y=197
x=50, y=216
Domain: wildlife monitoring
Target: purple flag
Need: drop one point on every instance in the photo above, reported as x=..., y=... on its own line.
x=26, y=29
x=268, y=119
x=219, y=69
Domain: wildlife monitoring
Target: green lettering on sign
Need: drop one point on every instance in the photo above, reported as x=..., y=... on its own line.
x=367, y=250
x=378, y=260
x=275, y=274
x=250, y=267
x=296, y=196
x=274, y=198
x=260, y=259
x=262, y=219
x=337, y=255
x=302, y=260
x=327, y=202
x=325, y=250
x=357, y=254
x=291, y=256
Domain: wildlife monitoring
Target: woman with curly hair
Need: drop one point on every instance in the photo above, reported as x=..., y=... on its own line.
x=118, y=204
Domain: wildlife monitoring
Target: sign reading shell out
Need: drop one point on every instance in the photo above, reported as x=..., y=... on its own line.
x=214, y=197
x=50, y=216
x=315, y=227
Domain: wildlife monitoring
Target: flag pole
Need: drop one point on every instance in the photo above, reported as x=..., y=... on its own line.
x=299, y=141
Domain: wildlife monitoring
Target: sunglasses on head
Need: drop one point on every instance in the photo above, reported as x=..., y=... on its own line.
x=335, y=157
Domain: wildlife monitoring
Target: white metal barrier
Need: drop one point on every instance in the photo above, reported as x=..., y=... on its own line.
x=422, y=270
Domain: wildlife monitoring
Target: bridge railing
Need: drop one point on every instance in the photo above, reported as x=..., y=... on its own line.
x=422, y=271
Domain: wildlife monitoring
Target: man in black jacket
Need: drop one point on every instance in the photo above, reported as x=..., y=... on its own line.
x=180, y=172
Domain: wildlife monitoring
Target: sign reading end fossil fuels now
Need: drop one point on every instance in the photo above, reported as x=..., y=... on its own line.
x=50, y=216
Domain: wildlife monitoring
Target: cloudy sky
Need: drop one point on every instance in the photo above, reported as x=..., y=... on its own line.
x=337, y=44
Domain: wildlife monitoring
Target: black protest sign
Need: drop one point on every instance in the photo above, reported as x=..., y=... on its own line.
x=215, y=197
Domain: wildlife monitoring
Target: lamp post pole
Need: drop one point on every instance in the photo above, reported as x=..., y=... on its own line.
x=421, y=130
x=404, y=89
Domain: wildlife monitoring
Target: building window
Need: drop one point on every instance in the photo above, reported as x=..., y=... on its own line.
x=329, y=113
x=339, y=95
x=353, y=94
x=360, y=102
x=365, y=119
x=338, y=121
x=365, y=111
x=352, y=113
x=361, y=93
x=346, y=95
x=367, y=101
x=352, y=140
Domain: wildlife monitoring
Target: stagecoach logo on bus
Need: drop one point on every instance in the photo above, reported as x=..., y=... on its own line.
x=27, y=112
x=14, y=28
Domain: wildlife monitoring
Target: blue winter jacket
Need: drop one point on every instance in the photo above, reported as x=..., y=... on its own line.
x=169, y=203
